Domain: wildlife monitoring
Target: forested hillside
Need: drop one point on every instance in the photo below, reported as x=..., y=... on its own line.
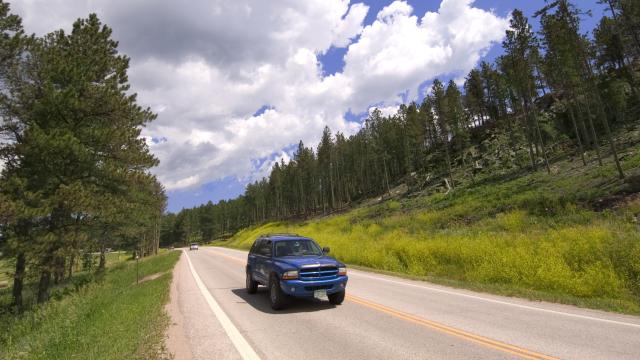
x=75, y=174
x=552, y=96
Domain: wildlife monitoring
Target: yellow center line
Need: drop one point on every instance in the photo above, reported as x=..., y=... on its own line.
x=494, y=344
x=487, y=342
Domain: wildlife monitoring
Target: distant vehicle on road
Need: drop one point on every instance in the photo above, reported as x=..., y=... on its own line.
x=294, y=266
x=193, y=246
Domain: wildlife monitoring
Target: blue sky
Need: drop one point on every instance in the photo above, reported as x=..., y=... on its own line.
x=333, y=62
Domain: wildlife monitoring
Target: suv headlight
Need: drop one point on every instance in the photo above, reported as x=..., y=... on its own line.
x=342, y=271
x=290, y=275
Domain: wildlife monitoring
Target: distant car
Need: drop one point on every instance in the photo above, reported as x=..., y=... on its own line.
x=294, y=266
x=193, y=246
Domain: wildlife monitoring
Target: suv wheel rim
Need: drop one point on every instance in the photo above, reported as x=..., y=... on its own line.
x=273, y=293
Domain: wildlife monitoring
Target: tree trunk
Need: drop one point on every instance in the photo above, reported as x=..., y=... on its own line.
x=72, y=261
x=575, y=129
x=448, y=159
x=59, y=270
x=322, y=195
x=612, y=144
x=542, y=146
x=536, y=124
x=18, y=280
x=302, y=206
x=43, y=286
x=596, y=143
x=156, y=240
x=585, y=134
x=333, y=198
x=103, y=258
x=531, y=153
x=56, y=271
x=512, y=144
x=386, y=177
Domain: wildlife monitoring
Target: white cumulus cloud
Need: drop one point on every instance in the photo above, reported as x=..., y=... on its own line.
x=399, y=51
x=208, y=67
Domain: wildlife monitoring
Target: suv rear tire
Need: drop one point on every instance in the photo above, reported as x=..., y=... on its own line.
x=252, y=285
x=336, y=298
x=277, y=297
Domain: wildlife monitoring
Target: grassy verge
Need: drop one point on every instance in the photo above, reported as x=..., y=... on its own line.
x=539, y=236
x=112, y=318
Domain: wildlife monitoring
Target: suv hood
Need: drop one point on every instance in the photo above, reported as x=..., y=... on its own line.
x=298, y=262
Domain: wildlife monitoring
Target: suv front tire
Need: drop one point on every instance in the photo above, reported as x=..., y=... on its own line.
x=277, y=297
x=336, y=298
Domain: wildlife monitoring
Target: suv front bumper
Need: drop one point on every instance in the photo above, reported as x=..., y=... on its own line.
x=299, y=288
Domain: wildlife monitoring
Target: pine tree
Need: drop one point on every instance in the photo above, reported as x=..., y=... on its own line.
x=475, y=100
x=518, y=64
x=443, y=115
x=14, y=219
x=325, y=168
x=458, y=120
x=87, y=151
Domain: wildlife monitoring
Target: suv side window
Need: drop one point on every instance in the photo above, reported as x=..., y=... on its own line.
x=264, y=248
x=255, y=246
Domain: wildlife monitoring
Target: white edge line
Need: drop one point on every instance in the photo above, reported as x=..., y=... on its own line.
x=534, y=308
x=241, y=344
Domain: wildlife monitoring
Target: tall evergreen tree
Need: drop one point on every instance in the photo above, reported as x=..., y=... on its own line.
x=518, y=64
x=67, y=162
x=458, y=120
x=443, y=115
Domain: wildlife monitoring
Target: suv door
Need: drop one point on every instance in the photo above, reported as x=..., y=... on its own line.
x=251, y=259
x=263, y=261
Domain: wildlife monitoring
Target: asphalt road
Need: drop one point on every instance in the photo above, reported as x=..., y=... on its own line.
x=383, y=317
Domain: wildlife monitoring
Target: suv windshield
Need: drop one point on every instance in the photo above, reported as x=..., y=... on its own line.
x=297, y=248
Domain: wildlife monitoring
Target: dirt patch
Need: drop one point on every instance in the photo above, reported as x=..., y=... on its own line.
x=4, y=284
x=608, y=202
x=151, y=277
x=614, y=201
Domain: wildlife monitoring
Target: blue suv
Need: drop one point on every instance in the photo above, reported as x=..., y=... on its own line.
x=294, y=266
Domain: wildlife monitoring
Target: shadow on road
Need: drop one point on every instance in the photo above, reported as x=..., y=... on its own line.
x=260, y=301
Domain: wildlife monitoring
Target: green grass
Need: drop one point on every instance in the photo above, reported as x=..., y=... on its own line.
x=5, y=272
x=536, y=236
x=112, y=318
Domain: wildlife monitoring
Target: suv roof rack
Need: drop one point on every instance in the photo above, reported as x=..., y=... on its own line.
x=278, y=234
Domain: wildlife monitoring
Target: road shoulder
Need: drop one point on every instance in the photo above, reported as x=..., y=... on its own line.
x=194, y=332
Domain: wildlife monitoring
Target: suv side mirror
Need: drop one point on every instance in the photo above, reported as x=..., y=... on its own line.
x=326, y=249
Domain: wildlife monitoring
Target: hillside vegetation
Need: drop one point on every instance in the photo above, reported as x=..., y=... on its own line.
x=570, y=236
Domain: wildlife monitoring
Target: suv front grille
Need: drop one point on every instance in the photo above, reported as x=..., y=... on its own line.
x=318, y=273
